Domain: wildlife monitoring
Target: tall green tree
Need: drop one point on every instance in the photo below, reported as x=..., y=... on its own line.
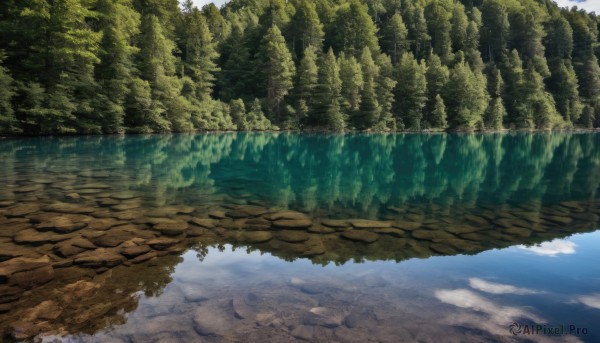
x=351, y=75
x=306, y=82
x=63, y=56
x=466, y=97
x=306, y=28
x=200, y=54
x=326, y=111
x=410, y=93
x=496, y=112
x=279, y=70
x=369, y=109
x=120, y=24
x=157, y=66
x=385, y=85
x=353, y=29
x=395, y=37
x=440, y=27
x=437, y=76
x=7, y=120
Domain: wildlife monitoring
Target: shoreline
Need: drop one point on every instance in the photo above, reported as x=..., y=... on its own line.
x=457, y=131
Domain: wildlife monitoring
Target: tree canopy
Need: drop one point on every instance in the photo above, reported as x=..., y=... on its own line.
x=110, y=66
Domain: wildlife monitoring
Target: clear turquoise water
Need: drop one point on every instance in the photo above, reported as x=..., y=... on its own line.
x=385, y=291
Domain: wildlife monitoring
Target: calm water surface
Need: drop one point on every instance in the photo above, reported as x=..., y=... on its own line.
x=283, y=237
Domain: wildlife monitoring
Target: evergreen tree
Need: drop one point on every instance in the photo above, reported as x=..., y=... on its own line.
x=564, y=86
x=238, y=114
x=495, y=31
x=279, y=70
x=63, y=58
x=437, y=76
x=466, y=97
x=351, y=76
x=306, y=28
x=385, y=85
x=440, y=27
x=438, y=115
x=256, y=118
x=327, y=111
x=395, y=37
x=157, y=66
x=411, y=92
x=368, y=113
x=414, y=15
x=120, y=24
x=460, y=25
x=7, y=91
x=353, y=29
x=307, y=76
x=200, y=54
x=495, y=114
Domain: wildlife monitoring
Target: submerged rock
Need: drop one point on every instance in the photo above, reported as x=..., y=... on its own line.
x=255, y=236
x=211, y=320
x=324, y=316
x=370, y=224
x=292, y=223
x=360, y=236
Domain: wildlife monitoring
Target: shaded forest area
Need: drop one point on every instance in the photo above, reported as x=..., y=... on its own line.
x=108, y=66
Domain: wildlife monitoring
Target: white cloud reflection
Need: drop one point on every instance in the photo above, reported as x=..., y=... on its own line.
x=592, y=301
x=498, y=288
x=552, y=248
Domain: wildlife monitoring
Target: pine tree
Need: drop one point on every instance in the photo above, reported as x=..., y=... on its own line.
x=385, y=85
x=326, y=111
x=564, y=87
x=395, y=37
x=440, y=27
x=460, y=25
x=495, y=113
x=353, y=29
x=411, y=92
x=279, y=70
x=351, y=76
x=466, y=97
x=495, y=31
x=200, y=54
x=306, y=28
x=238, y=114
x=307, y=76
x=63, y=58
x=438, y=115
x=414, y=16
x=437, y=76
x=120, y=23
x=256, y=118
x=7, y=120
x=369, y=106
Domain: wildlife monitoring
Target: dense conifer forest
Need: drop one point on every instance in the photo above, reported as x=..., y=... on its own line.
x=108, y=66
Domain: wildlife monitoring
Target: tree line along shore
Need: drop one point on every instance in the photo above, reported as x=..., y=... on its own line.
x=144, y=66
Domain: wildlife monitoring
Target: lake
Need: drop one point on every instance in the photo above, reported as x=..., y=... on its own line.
x=279, y=237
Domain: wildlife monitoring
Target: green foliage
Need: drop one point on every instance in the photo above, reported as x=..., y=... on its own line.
x=395, y=37
x=439, y=118
x=410, y=93
x=327, y=112
x=107, y=66
x=466, y=97
x=238, y=114
x=279, y=70
x=353, y=29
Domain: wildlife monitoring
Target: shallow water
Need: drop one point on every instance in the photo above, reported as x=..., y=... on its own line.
x=282, y=237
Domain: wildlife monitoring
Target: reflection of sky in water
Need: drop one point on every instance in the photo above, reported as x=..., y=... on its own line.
x=552, y=248
x=486, y=292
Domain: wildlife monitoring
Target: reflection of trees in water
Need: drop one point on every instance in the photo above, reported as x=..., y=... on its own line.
x=328, y=172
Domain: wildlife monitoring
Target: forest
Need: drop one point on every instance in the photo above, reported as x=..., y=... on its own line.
x=151, y=66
